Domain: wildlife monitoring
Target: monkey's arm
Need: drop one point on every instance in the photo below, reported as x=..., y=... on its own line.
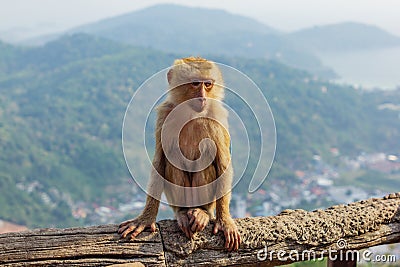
x=224, y=221
x=147, y=219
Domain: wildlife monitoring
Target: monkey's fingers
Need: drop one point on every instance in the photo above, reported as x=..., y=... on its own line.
x=232, y=240
x=199, y=224
x=203, y=223
x=124, y=223
x=238, y=240
x=120, y=230
x=235, y=239
x=184, y=225
x=232, y=237
x=187, y=232
x=192, y=219
x=153, y=227
x=192, y=214
x=195, y=227
x=228, y=241
x=217, y=227
x=138, y=230
x=124, y=231
x=190, y=233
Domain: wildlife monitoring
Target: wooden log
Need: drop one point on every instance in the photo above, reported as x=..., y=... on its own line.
x=89, y=246
x=293, y=235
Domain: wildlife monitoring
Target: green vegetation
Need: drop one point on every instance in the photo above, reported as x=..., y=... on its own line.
x=62, y=106
x=27, y=209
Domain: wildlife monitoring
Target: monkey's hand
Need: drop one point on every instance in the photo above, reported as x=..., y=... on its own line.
x=183, y=223
x=136, y=226
x=232, y=236
x=199, y=219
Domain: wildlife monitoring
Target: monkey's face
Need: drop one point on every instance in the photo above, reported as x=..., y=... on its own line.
x=196, y=92
x=194, y=81
x=199, y=92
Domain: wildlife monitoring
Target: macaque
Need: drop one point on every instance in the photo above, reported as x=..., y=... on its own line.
x=192, y=162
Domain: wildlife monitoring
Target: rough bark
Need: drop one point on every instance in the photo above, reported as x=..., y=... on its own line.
x=339, y=228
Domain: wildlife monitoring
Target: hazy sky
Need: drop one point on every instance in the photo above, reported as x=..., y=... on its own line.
x=45, y=16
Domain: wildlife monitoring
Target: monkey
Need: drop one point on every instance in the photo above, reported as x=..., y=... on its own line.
x=192, y=161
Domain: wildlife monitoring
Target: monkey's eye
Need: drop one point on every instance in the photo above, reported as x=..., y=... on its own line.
x=196, y=84
x=208, y=84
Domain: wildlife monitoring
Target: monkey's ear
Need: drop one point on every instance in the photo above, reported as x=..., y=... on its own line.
x=169, y=76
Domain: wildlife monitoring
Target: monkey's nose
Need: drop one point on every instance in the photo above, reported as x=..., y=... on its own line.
x=202, y=102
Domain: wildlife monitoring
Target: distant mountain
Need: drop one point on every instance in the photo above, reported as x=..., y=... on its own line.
x=173, y=25
x=201, y=31
x=62, y=106
x=171, y=19
x=344, y=37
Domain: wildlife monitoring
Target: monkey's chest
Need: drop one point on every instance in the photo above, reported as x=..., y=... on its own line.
x=196, y=141
x=195, y=145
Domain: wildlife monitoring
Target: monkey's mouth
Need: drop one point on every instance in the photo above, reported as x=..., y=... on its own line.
x=198, y=104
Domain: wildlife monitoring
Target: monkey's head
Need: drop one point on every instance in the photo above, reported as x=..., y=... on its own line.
x=195, y=79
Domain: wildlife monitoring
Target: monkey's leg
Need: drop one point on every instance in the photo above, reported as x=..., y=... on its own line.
x=224, y=221
x=177, y=190
x=203, y=197
x=179, y=195
x=147, y=219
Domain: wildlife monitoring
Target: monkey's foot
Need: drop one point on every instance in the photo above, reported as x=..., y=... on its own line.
x=199, y=219
x=136, y=226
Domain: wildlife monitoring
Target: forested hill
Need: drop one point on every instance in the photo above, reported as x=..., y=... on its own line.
x=62, y=106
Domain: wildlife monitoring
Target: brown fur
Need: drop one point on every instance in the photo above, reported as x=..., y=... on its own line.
x=209, y=119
